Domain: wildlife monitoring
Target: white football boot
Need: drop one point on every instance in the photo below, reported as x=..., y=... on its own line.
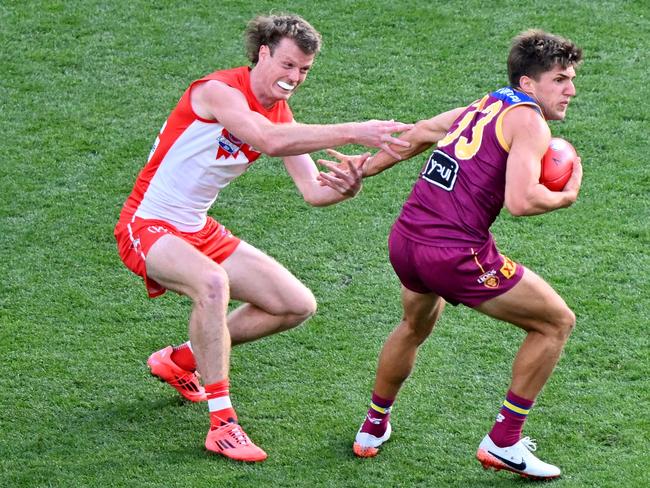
x=518, y=458
x=367, y=445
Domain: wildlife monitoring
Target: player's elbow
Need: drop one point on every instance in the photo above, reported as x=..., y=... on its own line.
x=271, y=147
x=279, y=148
x=269, y=141
x=275, y=141
x=516, y=210
x=517, y=206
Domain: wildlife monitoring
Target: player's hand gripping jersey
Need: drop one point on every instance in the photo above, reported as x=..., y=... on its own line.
x=193, y=159
x=461, y=189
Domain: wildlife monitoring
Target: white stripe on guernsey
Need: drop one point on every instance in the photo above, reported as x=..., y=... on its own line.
x=189, y=178
x=136, y=245
x=216, y=404
x=189, y=344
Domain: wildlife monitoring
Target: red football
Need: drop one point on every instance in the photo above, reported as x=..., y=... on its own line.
x=557, y=164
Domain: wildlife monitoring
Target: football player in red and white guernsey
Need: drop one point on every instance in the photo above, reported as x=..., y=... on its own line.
x=222, y=124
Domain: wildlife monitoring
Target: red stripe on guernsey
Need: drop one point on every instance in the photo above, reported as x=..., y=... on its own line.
x=228, y=158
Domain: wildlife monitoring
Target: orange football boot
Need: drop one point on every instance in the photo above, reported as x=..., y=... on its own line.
x=185, y=382
x=231, y=441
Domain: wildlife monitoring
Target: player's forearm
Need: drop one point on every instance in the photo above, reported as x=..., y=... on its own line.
x=381, y=161
x=323, y=196
x=421, y=137
x=294, y=139
x=538, y=200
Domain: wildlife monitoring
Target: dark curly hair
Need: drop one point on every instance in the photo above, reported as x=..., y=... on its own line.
x=534, y=52
x=270, y=29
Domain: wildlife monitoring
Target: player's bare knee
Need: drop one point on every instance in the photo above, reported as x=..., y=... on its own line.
x=213, y=289
x=299, y=310
x=417, y=332
x=567, y=322
x=304, y=307
x=561, y=325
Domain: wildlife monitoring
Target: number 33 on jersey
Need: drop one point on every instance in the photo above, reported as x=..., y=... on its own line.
x=470, y=137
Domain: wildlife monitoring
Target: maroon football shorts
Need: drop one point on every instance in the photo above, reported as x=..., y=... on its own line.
x=467, y=275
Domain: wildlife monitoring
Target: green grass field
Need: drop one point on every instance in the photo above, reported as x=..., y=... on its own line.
x=86, y=86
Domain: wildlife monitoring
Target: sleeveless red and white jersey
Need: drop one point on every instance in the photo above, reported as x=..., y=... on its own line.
x=194, y=158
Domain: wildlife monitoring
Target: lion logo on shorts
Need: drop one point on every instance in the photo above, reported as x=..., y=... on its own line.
x=491, y=282
x=489, y=279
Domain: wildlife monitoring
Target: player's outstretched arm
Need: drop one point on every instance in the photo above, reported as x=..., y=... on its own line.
x=216, y=100
x=420, y=138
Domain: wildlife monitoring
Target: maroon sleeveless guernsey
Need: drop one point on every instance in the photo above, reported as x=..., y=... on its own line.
x=460, y=191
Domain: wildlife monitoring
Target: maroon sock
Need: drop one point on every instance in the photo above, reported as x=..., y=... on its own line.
x=378, y=415
x=183, y=356
x=510, y=420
